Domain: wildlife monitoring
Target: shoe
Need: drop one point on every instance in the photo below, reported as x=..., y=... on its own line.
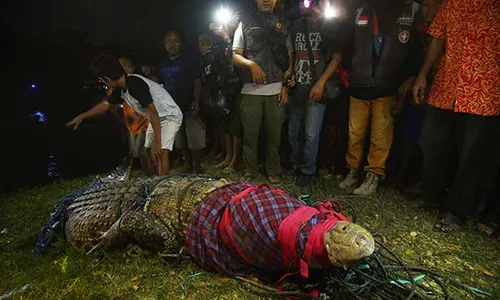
x=305, y=179
x=369, y=186
x=350, y=180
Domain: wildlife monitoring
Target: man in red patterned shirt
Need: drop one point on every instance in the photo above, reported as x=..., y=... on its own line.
x=462, y=125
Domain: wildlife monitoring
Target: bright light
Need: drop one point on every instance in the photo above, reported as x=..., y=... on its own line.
x=223, y=15
x=330, y=12
x=33, y=86
x=307, y=3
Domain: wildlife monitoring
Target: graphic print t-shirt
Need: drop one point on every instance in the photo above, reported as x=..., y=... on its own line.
x=303, y=71
x=177, y=76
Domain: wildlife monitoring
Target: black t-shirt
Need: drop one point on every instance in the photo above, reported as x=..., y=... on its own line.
x=177, y=76
x=137, y=88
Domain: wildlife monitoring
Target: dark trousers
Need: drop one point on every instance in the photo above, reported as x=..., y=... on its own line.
x=459, y=158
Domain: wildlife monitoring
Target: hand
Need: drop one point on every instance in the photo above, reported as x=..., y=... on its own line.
x=156, y=153
x=283, y=97
x=75, y=122
x=289, y=78
x=220, y=30
x=405, y=87
x=419, y=89
x=195, y=107
x=258, y=76
x=316, y=94
x=398, y=106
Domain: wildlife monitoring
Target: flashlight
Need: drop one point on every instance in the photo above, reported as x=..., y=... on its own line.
x=307, y=3
x=223, y=16
x=330, y=11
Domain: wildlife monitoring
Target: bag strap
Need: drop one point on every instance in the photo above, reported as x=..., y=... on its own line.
x=312, y=66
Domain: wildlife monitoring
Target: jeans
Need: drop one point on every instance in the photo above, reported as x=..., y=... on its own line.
x=304, y=128
x=379, y=111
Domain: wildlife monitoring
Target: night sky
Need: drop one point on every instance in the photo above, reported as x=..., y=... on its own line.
x=134, y=23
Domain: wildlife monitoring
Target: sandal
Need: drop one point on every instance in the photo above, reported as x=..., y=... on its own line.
x=247, y=177
x=488, y=228
x=274, y=179
x=449, y=223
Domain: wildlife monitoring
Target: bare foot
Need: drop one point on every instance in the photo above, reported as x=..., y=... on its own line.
x=223, y=164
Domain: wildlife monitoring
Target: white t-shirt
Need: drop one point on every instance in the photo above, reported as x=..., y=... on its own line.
x=251, y=88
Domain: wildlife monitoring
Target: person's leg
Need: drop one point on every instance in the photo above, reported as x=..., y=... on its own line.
x=274, y=117
x=438, y=148
x=297, y=108
x=251, y=120
x=313, y=124
x=382, y=126
x=196, y=136
x=140, y=141
x=381, y=135
x=169, y=131
x=359, y=115
x=235, y=130
x=224, y=126
x=148, y=144
x=477, y=145
x=181, y=143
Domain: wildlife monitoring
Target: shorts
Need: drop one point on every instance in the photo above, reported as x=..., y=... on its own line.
x=169, y=130
x=136, y=146
x=192, y=134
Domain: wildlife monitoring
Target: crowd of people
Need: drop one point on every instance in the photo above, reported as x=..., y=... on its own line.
x=283, y=94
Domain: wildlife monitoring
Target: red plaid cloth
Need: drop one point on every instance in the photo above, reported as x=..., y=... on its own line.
x=255, y=221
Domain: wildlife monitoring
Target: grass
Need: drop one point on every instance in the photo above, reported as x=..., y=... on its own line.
x=65, y=273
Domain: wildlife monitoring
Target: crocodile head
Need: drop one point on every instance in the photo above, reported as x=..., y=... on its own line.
x=346, y=243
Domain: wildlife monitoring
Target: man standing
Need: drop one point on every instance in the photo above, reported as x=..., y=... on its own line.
x=263, y=96
x=307, y=103
x=180, y=77
x=460, y=135
x=381, y=35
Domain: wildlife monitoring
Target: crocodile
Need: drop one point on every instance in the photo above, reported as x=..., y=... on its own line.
x=158, y=213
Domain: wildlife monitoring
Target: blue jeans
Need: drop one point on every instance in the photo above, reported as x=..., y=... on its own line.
x=304, y=128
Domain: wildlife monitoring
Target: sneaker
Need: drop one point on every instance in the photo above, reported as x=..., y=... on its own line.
x=350, y=180
x=369, y=186
x=305, y=179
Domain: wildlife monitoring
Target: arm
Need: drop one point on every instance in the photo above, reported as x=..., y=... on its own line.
x=434, y=53
x=258, y=76
x=319, y=87
x=98, y=109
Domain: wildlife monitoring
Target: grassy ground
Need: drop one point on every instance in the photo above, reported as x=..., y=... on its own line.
x=64, y=273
